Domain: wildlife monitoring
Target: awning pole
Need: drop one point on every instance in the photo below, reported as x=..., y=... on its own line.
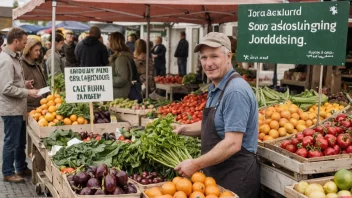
x=53, y=35
x=148, y=52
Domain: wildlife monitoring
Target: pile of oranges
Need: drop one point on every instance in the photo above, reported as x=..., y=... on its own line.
x=199, y=186
x=283, y=120
x=46, y=114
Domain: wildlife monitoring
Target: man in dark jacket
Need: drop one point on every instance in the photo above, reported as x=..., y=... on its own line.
x=69, y=50
x=91, y=52
x=181, y=54
x=158, y=54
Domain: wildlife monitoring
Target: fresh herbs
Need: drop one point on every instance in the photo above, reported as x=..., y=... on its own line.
x=60, y=138
x=59, y=83
x=79, y=109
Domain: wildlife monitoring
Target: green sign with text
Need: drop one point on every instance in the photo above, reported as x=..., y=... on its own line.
x=296, y=33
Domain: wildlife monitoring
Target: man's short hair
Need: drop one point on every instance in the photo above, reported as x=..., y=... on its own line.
x=183, y=34
x=15, y=33
x=134, y=35
x=95, y=31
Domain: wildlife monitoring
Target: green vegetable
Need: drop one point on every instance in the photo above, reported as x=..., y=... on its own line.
x=190, y=78
x=60, y=138
x=79, y=109
x=59, y=83
x=307, y=99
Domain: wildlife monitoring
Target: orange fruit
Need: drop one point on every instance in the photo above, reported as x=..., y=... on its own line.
x=212, y=190
x=43, y=101
x=168, y=188
x=41, y=117
x=67, y=121
x=282, y=132
x=180, y=194
x=58, y=105
x=285, y=114
x=57, y=96
x=267, y=137
x=274, y=125
x=59, y=117
x=261, y=136
x=49, y=117
x=52, y=109
x=36, y=116
x=209, y=181
x=198, y=186
x=75, y=123
x=260, y=122
x=51, y=124
x=153, y=192
x=294, y=121
x=198, y=177
x=32, y=112
x=44, y=106
x=43, y=123
x=184, y=185
x=55, y=121
x=289, y=127
x=304, y=116
x=211, y=196
x=227, y=194
x=164, y=196
x=73, y=117
x=85, y=121
x=295, y=115
x=265, y=128
x=58, y=100
x=176, y=179
x=51, y=103
x=80, y=120
x=274, y=133
x=268, y=113
x=197, y=195
x=39, y=110
x=50, y=98
x=267, y=121
x=282, y=122
x=275, y=116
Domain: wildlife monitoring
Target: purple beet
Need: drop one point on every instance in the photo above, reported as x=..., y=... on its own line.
x=122, y=178
x=87, y=191
x=118, y=191
x=93, y=183
x=110, y=183
x=102, y=170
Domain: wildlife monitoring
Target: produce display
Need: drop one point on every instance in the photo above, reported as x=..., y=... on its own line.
x=197, y=186
x=340, y=98
x=130, y=104
x=338, y=187
x=101, y=180
x=188, y=111
x=267, y=96
x=331, y=138
x=326, y=110
x=307, y=99
x=282, y=120
x=190, y=78
x=60, y=138
x=59, y=83
x=102, y=115
x=147, y=178
x=169, y=79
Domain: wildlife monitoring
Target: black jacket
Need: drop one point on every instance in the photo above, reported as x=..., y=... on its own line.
x=91, y=52
x=69, y=51
x=160, y=61
x=182, y=49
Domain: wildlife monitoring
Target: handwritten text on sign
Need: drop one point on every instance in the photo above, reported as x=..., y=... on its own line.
x=88, y=84
x=308, y=33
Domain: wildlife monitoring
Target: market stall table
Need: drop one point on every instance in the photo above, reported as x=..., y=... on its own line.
x=176, y=88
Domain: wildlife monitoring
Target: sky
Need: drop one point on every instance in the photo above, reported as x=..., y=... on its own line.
x=9, y=3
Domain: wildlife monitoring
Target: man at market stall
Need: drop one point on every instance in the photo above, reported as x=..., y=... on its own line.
x=69, y=50
x=158, y=54
x=181, y=54
x=90, y=51
x=14, y=91
x=229, y=129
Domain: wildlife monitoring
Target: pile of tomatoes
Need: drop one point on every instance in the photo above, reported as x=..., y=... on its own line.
x=168, y=79
x=331, y=138
x=188, y=111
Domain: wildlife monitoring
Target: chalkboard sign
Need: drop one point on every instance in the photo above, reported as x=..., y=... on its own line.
x=297, y=33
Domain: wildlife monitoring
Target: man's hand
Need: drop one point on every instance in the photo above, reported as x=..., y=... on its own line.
x=29, y=84
x=187, y=168
x=178, y=128
x=154, y=56
x=33, y=93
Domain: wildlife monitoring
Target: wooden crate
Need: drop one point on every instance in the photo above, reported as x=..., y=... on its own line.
x=306, y=167
x=45, y=182
x=130, y=111
x=128, y=115
x=145, y=187
x=49, y=175
x=275, y=179
x=70, y=193
x=57, y=179
x=43, y=132
x=290, y=192
x=221, y=190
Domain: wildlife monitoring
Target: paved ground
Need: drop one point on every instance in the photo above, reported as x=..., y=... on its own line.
x=9, y=190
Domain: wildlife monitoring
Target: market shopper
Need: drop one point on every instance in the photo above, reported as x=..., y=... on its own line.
x=13, y=102
x=158, y=54
x=32, y=70
x=90, y=52
x=132, y=38
x=120, y=61
x=69, y=50
x=58, y=62
x=229, y=129
x=181, y=54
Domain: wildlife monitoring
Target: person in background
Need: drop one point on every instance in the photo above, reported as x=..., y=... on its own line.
x=131, y=41
x=82, y=36
x=181, y=54
x=1, y=41
x=14, y=91
x=120, y=61
x=32, y=70
x=91, y=52
x=229, y=128
x=69, y=50
x=158, y=54
x=140, y=56
x=58, y=63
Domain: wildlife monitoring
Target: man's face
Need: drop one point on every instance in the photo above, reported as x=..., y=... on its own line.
x=20, y=44
x=48, y=45
x=215, y=62
x=157, y=41
x=69, y=38
x=130, y=38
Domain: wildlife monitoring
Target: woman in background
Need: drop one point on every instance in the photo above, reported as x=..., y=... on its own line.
x=32, y=70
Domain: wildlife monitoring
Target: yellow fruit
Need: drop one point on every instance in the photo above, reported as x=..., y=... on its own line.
x=282, y=132
x=85, y=121
x=268, y=114
x=265, y=128
x=67, y=121
x=59, y=117
x=209, y=181
x=55, y=121
x=212, y=190
x=282, y=122
x=275, y=116
x=294, y=121
x=73, y=117
x=80, y=120
x=57, y=96
x=300, y=127
x=52, y=109
x=301, y=122
x=51, y=124
x=295, y=115
x=43, y=101
x=50, y=98
x=261, y=136
x=286, y=114
x=184, y=185
x=49, y=117
x=274, y=125
x=289, y=127
x=58, y=100
x=198, y=177
x=44, y=106
x=304, y=116
x=75, y=123
x=51, y=103
x=58, y=105
x=43, y=123
x=274, y=133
